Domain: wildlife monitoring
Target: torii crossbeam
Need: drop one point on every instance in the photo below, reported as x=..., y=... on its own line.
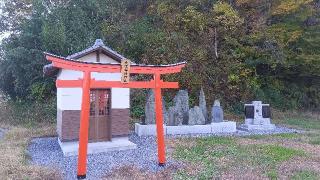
x=87, y=83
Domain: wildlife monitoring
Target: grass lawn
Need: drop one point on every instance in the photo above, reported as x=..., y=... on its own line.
x=14, y=161
x=280, y=156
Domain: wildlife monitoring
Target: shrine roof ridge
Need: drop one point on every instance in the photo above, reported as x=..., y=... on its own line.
x=98, y=45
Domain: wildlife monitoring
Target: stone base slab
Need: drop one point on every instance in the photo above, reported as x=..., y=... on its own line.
x=223, y=127
x=251, y=127
x=117, y=144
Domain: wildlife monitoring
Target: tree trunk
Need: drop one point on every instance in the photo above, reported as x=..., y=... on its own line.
x=216, y=42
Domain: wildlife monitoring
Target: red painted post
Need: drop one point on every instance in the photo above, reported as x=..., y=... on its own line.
x=84, y=126
x=159, y=121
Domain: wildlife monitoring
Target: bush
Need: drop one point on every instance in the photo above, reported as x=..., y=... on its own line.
x=138, y=99
x=27, y=113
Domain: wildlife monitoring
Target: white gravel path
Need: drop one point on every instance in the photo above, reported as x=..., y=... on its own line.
x=46, y=152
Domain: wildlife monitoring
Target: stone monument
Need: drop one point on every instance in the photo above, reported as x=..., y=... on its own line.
x=195, y=124
x=181, y=105
x=217, y=112
x=196, y=116
x=257, y=117
x=203, y=104
x=150, y=114
x=218, y=123
x=175, y=117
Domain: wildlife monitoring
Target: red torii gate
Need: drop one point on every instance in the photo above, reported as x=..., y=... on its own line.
x=87, y=83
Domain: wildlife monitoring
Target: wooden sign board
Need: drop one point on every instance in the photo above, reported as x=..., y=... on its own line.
x=125, y=71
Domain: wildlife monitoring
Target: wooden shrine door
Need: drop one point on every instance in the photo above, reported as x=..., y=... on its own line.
x=100, y=121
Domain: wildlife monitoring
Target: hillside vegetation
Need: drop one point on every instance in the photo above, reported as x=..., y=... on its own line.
x=238, y=50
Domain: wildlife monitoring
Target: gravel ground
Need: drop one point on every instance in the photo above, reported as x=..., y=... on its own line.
x=46, y=152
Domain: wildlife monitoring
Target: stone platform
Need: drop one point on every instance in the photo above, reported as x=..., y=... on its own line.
x=117, y=144
x=222, y=127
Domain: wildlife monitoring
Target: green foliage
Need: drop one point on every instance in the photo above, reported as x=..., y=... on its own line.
x=236, y=50
x=193, y=20
x=53, y=36
x=226, y=16
x=138, y=98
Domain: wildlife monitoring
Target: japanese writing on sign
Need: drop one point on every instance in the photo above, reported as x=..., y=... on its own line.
x=125, y=71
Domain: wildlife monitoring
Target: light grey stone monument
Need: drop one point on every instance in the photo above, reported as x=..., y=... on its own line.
x=181, y=104
x=175, y=118
x=257, y=117
x=203, y=104
x=217, y=112
x=150, y=115
x=196, y=116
